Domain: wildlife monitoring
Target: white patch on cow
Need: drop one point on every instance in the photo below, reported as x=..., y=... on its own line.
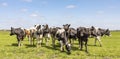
x=96, y=28
x=22, y=28
x=60, y=31
x=69, y=44
x=49, y=35
x=41, y=36
x=98, y=37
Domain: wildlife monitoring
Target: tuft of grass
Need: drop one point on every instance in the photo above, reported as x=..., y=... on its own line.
x=10, y=50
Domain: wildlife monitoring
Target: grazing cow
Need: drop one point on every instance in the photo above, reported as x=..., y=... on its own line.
x=46, y=33
x=62, y=38
x=83, y=34
x=19, y=32
x=36, y=33
x=98, y=32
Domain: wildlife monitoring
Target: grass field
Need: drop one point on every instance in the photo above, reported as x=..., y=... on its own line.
x=9, y=49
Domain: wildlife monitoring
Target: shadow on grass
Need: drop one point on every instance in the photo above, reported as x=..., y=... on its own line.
x=57, y=47
x=14, y=44
x=74, y=48
x=95, y=45
x=28, y=45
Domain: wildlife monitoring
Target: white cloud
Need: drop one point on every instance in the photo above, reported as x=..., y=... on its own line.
x=34, y=15
x=71, y=6
x=4, y=4
x=37, y=16
x=24, y=10
x=27, y=0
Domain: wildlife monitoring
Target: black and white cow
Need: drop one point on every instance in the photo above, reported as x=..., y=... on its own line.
x=83, y=35
x=20, y=34
x=98, y=32
x=46, y=33
x=36, y=33
x=70, y=32
x=62, y=38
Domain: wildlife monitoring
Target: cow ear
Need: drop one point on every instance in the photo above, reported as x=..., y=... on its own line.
x=63, y=25
x=69, y=25
x=11, y=27
x=107, y=30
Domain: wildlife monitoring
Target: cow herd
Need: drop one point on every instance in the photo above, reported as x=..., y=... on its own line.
x=65, y=35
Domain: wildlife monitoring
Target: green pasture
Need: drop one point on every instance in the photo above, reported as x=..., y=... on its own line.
x=10, y=50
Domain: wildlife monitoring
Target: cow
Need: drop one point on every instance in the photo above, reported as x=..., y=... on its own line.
x=83, y=35
x=46, y=33
x=36, y=33
x=20, y=34
x=27, y=32
x=62, y=38
x=98, y=32
x=70, y=32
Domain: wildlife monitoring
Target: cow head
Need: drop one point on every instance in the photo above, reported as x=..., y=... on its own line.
x=107, y=32
x=37, y=26
x=66, y=27
x=93, y=31
x=12, y=31
x=45, y=26
x=81, y=31
x=68, y=48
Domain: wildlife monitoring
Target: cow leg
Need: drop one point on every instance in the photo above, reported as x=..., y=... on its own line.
x=62, y=46
x=95, y=41
x=33, y=40
x=29, y=39
x=81, y=42
x=38, y=40
x=19, y=41
x=53, y=42
x=86, y=45
x=73, y=41
x=70, y=40
x=46, y=39
x=41, y=38
x=98, y=38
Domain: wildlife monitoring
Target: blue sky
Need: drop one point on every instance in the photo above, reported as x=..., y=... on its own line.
x=26, y=13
